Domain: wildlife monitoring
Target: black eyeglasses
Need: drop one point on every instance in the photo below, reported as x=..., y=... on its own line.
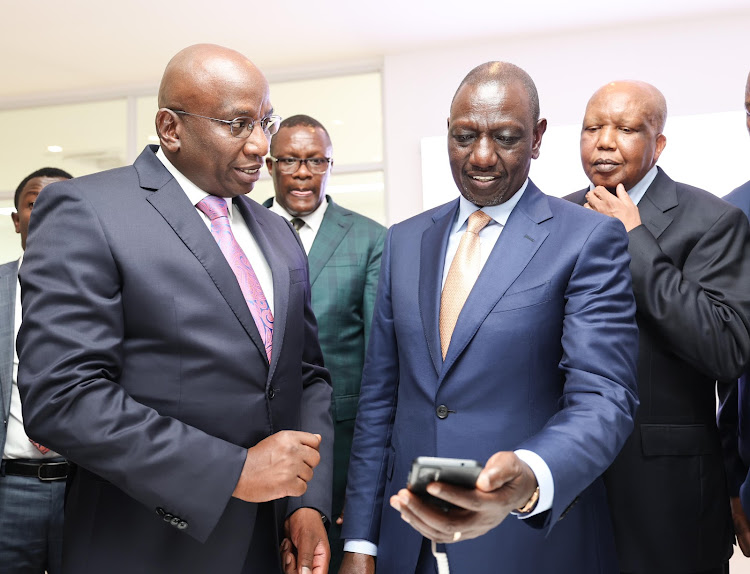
x=242, y=127
x=289, y=165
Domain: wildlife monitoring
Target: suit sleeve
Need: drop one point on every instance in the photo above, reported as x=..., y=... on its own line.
x=700, y=312
x=315, y=412
x=371, y=283
x=71, y=356
x=600, y=348
x=374, y=424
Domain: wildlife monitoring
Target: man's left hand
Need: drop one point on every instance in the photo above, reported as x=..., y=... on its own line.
x=619, y=206
x=305, y=549
x=505, y=483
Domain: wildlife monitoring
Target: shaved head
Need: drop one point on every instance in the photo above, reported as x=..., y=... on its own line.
x=653, y=104
x=502, y=74
x=204, y=89
x=200, y=70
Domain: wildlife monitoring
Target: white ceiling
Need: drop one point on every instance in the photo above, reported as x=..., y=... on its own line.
x=65, y=49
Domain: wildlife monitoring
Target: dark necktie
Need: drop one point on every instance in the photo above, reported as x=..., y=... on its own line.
x=298, y=223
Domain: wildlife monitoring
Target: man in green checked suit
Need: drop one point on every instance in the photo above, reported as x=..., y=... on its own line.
x=344, y=251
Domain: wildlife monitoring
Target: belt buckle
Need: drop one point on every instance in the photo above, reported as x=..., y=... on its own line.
x=53, y=478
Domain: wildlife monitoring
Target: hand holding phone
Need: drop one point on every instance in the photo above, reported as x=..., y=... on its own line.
x=457, y=471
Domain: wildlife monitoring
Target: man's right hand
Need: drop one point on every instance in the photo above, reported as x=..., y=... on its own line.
x=354, y=563
x=741, y=525
x=278, y=466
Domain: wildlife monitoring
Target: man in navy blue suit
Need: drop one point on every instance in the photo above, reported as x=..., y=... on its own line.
x=504, y=332
x=734, y=414
x=169, y=350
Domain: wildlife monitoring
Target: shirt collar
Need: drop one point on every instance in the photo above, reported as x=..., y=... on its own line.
x=314, y=219
x=195, y=194
x=637, y=192
x=498, y=213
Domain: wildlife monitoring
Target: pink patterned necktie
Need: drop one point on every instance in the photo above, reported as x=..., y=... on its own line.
x=216, y=209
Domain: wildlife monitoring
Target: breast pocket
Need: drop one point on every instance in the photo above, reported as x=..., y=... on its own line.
x=526, y=297
x=345, y=260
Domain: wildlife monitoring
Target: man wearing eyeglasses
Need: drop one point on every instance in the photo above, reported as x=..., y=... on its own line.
x=344, y=250
x=169, y=350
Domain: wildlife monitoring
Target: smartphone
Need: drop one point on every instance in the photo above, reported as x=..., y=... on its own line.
x=456, y=471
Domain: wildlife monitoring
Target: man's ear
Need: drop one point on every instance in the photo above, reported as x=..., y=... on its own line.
x=661, y=143
x=16, y=222
x=269, y=166
x=166, y=128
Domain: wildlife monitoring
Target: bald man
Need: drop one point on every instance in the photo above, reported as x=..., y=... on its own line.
x=690, y=262
x=169, y=351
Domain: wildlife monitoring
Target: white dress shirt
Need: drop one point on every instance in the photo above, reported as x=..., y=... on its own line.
x=17, y=443
x=313, y=221
x=240, y=229
x=488, y=237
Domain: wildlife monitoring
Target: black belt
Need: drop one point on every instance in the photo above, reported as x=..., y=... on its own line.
x=44, y=471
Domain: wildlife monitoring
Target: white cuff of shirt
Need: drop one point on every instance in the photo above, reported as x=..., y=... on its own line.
x=543, y=478
x=361, y=547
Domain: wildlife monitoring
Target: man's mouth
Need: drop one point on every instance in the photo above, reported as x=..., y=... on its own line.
x=483, y=178
x=301, y=192
x=605, y=165
x=248, y=170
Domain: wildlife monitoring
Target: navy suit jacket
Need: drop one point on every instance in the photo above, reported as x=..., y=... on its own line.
x=542, y=358
x=141, y=363
x=8, y=282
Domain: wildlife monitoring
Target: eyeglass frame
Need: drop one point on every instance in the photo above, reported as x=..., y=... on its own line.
x=300, y=162
x=249, y=129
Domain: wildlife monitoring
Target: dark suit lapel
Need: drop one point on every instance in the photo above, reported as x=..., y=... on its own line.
x=519, y=241
x=174, y=206
x=8, y=284
x=656, y=206
x=334, y=227
x=280, y=271
x=431, y=263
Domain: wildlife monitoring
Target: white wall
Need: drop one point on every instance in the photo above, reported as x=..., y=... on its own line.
x=700, y=66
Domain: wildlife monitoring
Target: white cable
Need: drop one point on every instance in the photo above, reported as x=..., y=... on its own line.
x=441, y=558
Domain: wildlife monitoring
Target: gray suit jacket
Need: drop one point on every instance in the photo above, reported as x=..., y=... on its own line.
x=141, y=363
x=8, y=282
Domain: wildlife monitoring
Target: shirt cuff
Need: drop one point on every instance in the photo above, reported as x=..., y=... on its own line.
x=360, y=547
x=544, y=480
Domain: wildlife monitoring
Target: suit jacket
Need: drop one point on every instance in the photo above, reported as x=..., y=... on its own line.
x=344, y=266
x=542, y=358
x=8, y=281
x=734, y=412
x=691, y=279
x=141, y=363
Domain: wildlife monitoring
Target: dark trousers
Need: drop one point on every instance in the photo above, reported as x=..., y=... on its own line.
x=31, y=525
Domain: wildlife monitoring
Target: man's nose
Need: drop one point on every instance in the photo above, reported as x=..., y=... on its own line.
x=483, y=153
x=303, y=171
x=606, y=139
x=257, y=142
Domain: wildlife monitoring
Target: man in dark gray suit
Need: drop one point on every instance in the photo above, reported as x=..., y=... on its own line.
x=32, y=477
x=169, y=349
x=690, y=261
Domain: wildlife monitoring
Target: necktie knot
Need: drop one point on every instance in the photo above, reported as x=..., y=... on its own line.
x=213, y=206
x=477, y=221
x=297, y=223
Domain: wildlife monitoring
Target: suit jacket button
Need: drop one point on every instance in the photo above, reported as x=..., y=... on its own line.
x=182, y=525
x=167, y=517
x=271, y=393
x=160, y=511
x=175, y=521
x=442, y=412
